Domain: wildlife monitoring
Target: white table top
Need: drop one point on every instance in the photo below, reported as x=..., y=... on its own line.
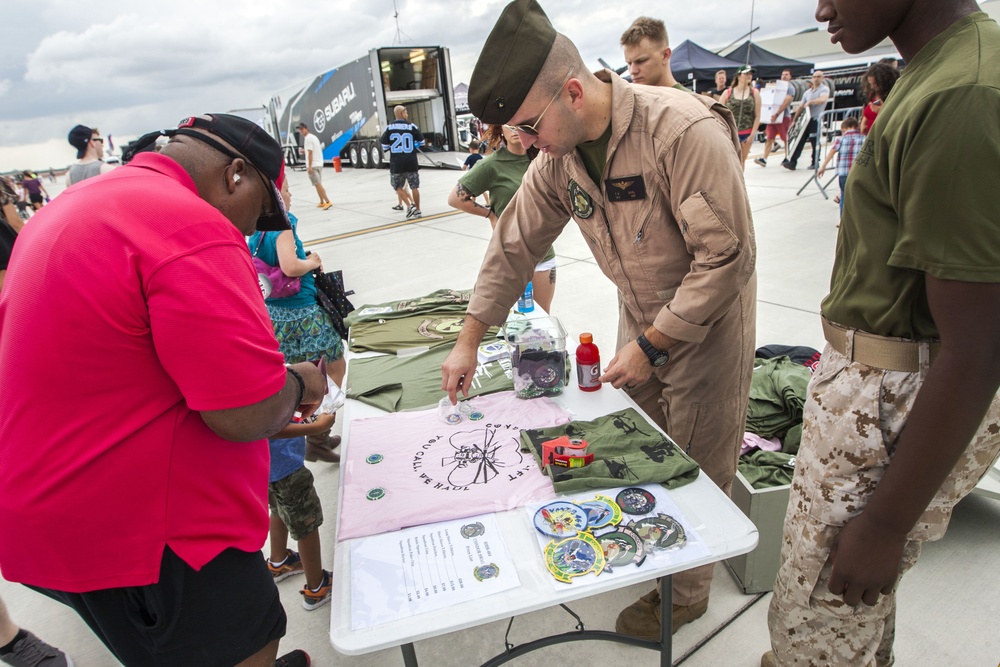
x=720, y=524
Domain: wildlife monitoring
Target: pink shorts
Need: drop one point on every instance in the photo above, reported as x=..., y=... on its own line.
x=778, y=129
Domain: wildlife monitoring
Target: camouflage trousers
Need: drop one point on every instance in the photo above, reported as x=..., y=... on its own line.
x=854, y=416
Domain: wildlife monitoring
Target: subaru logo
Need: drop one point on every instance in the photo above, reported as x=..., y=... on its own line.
x=319, y=120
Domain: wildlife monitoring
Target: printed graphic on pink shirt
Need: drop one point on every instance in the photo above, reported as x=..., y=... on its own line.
x=411, y=468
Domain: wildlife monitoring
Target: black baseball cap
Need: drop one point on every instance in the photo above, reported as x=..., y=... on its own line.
x=301, y=125
x=79, y=138
x=250, y=142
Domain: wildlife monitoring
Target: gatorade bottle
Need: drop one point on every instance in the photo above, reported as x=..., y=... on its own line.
x=526, y=303
x=588, y=364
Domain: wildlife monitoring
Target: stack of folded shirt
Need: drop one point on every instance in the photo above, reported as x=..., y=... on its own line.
x=426, y=321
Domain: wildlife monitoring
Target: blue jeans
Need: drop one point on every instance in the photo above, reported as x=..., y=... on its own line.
x=843, y=182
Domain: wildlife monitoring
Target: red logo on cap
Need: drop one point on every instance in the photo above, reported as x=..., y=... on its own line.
x=187, y=122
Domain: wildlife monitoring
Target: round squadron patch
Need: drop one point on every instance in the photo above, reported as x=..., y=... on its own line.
x=660, y=532
x=583, y=205
x=471, y=530
x=634, y=500
x=374, y=459
x=484, y=572
x=378, y=493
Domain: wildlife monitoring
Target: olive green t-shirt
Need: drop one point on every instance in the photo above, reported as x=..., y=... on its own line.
x=922, y=196
x=595, y=155
x=501, y=173
x=438, y=301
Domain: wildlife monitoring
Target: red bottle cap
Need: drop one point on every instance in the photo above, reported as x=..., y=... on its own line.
x=586, y=338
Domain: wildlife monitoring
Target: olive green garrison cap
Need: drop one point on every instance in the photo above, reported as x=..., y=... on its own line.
x=510, y=61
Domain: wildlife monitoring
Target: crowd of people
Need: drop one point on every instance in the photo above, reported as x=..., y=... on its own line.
x=183, y=371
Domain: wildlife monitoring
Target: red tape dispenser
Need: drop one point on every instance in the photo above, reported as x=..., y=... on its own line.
x=566, y=452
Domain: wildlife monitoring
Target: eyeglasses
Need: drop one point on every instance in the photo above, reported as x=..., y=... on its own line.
x=532, y=129
x=101, y=139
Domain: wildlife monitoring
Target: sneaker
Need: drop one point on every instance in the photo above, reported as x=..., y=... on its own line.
x=314, y=599
x=414, y=213
x=320, y=205
x=326, y=205
x=30, y=651
x=297, y=658
x=409, y=211
x=761, y=161
x=397, y=207
x=788, y=165
x=286, y=568
x=777, y=146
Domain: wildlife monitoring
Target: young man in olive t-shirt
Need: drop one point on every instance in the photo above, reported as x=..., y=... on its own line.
x=902, y=417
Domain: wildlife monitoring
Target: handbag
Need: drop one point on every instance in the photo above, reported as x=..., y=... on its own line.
x=333, y=299
x=274, y=284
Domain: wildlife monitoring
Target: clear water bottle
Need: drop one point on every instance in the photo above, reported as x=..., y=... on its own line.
x=526, y=303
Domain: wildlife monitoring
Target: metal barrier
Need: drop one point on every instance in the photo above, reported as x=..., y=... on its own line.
x=827, y=130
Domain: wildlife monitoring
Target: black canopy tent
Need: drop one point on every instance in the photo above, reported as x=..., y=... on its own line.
x=768, y=65
x=690, y=62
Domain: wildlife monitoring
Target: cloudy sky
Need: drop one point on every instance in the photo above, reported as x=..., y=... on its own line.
x=128, y=67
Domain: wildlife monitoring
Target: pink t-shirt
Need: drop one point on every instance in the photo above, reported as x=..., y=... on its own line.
x=411, y=468
x=130, y=304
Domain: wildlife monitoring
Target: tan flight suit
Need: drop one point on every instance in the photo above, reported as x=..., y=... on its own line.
x=670, y=225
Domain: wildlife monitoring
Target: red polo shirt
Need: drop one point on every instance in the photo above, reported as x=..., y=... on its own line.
x=130, y=305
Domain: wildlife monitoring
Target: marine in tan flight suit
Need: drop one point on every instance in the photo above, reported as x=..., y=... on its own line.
x=653, y=178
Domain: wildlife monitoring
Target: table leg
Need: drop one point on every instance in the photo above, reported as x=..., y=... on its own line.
x=666, y=621
x=409, y=655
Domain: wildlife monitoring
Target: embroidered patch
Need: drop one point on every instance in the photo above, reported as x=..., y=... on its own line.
x=471, y=530
x=626, y=188
x=484, y=572
x=583, y=205
x=377, y=493
x=374, y=458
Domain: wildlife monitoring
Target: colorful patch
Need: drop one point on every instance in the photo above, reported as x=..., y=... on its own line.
x=621, y=547
x=471, y=530
x=484, y=572
x=634, y=500
x=453, y=418
x=560, y=519
x=476, y=415
x=601, y=512
x=374, y=459
x=378, y=493
x=574, y=556
x=660, y=532
x=583, y=205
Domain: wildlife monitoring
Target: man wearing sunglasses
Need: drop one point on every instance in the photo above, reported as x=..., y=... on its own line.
x=145, y=501
x=653, y=178
x=89, y=147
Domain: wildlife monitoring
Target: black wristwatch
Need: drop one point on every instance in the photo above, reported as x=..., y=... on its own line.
x=656, y=357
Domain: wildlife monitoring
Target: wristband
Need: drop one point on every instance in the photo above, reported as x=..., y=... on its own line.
x=302, y=384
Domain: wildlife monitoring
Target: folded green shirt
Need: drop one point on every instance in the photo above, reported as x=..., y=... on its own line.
x=627, y=451
x=766, y=469
x=393, y=383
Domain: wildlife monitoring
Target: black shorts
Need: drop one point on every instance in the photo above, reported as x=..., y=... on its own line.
x=36, y=198
x=220, y=615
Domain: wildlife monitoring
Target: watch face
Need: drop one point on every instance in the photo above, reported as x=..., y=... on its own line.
x=660, y=359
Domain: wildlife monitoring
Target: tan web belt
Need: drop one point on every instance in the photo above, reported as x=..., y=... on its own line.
x=891, y=354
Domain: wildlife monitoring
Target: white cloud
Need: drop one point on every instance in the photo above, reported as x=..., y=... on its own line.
x=128, y=67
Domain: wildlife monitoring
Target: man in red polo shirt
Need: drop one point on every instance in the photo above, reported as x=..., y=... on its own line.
x=141, y=378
